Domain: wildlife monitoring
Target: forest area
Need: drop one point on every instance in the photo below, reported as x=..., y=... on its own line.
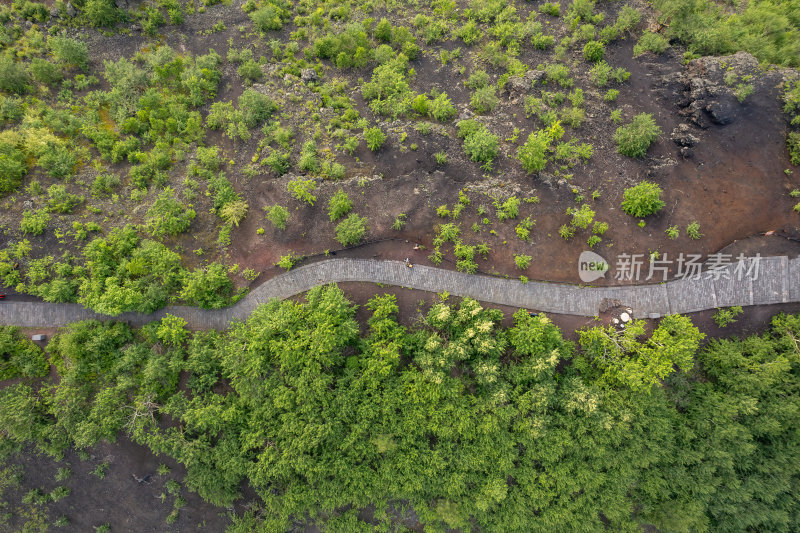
x=464, y=423
x=186, y=153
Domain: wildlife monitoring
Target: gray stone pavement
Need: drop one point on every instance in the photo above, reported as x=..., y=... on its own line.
x=778, y=281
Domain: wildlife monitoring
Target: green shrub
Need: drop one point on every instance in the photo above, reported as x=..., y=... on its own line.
x=672, y=232
x=508, y=209
x=522, y=261
x=45, y=72
x=34, y=222
x=550, y=8
x=383, y=31
x=634, y=139
x=725, y=317
x=470, y=33
x=58, y=160
x=308, y=157
x=234, y=212
x=593, y=51
x=374, y=138
x=12, y=167
x=278, y=215
x=541, y=41
x=766, y=29
x=792, y=142
x=61, y=201
x=693, y=230
x=250, y=71
x=533, y=154
x=651, y=42
x=287, y=261
x=256, y=107
x=602, y=73
x=559, y=74
x=484, y=99
x=10, y=108
x=168, y=216
x=303, y=190
x=69, y=52
x=267, y=18
x=441, y=108
x=384, y=53
x=278, y=161
x=101, y=13
x=642, y=200
x=479, y=143
x=351, y=230
x=339, y=205
x=477, y=80
x=13, y=76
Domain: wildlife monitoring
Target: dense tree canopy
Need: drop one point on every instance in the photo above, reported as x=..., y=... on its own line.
x=474, y=426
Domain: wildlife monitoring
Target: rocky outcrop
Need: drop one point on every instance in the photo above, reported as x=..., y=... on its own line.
x=717, y=88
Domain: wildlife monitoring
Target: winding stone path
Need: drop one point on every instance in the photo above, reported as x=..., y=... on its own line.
x=778, y=281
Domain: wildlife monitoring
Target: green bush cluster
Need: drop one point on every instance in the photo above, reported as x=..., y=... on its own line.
x=768, y=29
x=651, y=42
x=635, y=138
x=642, y=200
x=168, y=216
x=480, y=144
x=351, y=230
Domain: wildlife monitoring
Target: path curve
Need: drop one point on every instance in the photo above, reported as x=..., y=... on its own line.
x=778, y=281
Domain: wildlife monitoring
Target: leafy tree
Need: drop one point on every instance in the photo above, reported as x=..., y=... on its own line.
x=642, y=200
x=171, y=330
x=256, y=107
x=124, y=273
x=208, y=287
x=623, y=359
x=19, y=356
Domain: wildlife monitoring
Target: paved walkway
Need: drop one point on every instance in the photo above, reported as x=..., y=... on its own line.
x=778, y=281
